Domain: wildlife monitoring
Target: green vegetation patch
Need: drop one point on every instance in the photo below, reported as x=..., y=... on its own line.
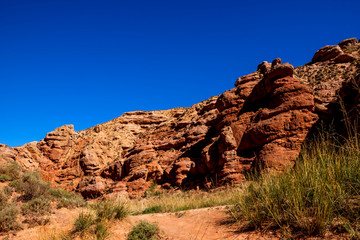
x=144, y=231
x=321, y=192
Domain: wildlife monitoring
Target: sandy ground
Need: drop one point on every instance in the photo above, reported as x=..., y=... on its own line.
x=198, y=224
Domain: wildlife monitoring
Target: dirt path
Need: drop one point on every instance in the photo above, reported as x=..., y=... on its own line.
x=197, y=224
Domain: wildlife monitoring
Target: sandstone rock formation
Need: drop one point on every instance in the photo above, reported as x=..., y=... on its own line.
x=259, y=124
x=326, y=77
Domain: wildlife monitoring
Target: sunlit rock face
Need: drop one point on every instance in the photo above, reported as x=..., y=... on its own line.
x=260, y=124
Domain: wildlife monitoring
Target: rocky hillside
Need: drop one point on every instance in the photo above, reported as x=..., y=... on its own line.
x=260, y=124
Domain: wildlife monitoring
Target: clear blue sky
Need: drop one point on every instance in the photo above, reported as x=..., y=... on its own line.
x=85, y=62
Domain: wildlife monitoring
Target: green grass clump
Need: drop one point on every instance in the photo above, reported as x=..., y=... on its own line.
x=152, y=209
x=144, y=231
x=102, y=231
x=66, y=199
x=83, y=222
x=96, y=223
x=319, y=193
x=110, y=209
x=179, y=201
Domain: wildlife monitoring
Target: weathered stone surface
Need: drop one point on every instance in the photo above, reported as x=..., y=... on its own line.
x=7, y=154
x=344, y=58
x=327, y=53
x=91, y=186
x=345, y=43
x=264, y=67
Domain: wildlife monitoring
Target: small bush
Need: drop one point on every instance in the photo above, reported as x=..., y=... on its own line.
x=102, y=231
x=10, y=171
x=8, y=190
x=110, y=209
x=39, y=206
x=144, y=231
x=31, y=186
x=5, y=178
x=83, y=222
x=8, y=217
x=67, y=200
x=3, y=199
x=152, y=209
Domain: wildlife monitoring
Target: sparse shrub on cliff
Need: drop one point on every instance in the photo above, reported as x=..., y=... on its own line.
x=36, y=211
x=144, y=231
x=5, y=178
x=8, y=218
x=38, y=206
x=66, y=199
x=8, y=214
x=321, y=191
x=9, y=171
x=31, y=185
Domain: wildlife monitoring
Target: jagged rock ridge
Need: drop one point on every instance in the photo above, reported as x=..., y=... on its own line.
x=259, y=124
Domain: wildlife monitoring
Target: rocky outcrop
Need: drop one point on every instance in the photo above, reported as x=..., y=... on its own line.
x=258, y=125
x=327, y=74
x=338, y=53
x=327, y=53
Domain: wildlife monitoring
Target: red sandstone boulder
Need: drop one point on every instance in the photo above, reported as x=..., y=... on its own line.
x=327, y=53
x=345, y=43
x=91, y=186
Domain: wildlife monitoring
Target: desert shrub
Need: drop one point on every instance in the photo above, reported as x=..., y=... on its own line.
x=3, y=199
x=152, y=191
x=8, y=217
x=322, y=189
x=5, y=178
x=40, y=206
x=8, y=190
x=97, y=222
x=9, y=171
x=31, y=185
x=102, y=231
x=83, y=222
x=152, y=209
x=144, y=231
x=66, y=199
x=8, y=214
x=110, y=209
x=36, y=211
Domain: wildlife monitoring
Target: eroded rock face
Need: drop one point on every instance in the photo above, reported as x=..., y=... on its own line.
x=326, y=77
x=259, y=124
x=327, y=53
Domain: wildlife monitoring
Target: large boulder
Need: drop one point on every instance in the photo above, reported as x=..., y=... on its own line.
x=327, y=53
